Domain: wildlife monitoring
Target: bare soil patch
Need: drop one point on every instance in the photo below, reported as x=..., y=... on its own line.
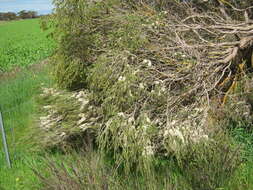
x=13, y=73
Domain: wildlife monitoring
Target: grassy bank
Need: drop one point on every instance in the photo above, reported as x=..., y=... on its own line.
x=17, y=105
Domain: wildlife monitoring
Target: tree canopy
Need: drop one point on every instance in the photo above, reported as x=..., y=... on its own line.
x=20, y=15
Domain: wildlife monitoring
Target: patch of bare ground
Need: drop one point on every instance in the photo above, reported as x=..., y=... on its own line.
x=4, y=76
x=2, y=22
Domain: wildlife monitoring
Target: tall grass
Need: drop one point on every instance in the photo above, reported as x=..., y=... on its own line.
x=17, y=105
x=88, y=171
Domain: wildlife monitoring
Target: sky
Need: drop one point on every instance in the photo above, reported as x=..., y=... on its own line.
x=41, y=6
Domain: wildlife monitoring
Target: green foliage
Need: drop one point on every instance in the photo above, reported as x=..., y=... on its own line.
x=71, y=75
x=23, y=43
x=20, y=15
x=126, y=32
x=27, y=14
x=75, y=34
x=8, y=16
x=84, y=30
x=114, y=83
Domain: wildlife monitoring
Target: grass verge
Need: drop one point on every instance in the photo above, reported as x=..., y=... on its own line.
x=17, y=105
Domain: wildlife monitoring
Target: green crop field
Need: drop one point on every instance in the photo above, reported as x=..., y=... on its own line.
x=23, y=43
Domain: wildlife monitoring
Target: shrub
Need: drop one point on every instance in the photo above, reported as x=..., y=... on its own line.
x=69, y=74
x=84, y=30
x=75, y=35
x=148, y=74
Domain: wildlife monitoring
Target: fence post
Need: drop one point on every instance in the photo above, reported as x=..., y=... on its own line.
x=7, y=155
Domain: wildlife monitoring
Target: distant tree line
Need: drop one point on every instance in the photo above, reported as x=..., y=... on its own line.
x=20, y=15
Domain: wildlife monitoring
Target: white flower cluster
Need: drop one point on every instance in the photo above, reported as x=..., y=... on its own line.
x=81, y=97
x=141, y=86
x=121, y=79
x=147, y=62
x=50, y=92
x=180, y=55
x=178, y=133
x=148, y=150
x=49, y=121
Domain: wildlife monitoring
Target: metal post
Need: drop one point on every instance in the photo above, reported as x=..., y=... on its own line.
x=4, y=141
